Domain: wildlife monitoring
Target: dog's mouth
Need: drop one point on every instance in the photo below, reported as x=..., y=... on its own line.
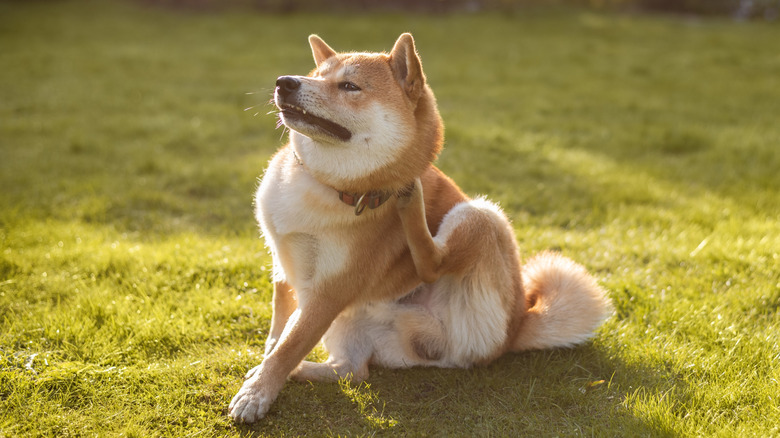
x=295, y=113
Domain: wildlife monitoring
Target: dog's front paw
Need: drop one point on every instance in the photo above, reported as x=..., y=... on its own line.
x=251, y=403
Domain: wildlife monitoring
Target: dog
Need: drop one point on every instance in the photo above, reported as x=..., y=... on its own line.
x=378, y=254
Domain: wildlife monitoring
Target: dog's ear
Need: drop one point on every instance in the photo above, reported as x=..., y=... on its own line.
x=320, y=50
x=406, y=66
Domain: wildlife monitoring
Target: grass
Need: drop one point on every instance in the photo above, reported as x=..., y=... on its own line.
x=134, y=290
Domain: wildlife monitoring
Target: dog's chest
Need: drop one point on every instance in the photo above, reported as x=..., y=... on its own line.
x=308, y=260
x=304, y=226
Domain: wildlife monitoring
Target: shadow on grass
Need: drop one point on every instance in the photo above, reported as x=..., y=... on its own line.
x=562, y=392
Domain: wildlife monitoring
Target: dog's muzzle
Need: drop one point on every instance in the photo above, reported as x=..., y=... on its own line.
x=287, y=100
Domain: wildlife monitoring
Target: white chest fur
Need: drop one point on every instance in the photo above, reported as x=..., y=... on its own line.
x=304, y=224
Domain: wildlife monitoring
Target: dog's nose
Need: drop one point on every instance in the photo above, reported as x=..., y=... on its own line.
x=287, y=85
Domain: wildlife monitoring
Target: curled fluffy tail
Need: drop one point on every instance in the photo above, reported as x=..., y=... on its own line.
x=565, y=304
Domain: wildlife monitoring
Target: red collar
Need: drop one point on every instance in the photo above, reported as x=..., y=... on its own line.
x=372, y=199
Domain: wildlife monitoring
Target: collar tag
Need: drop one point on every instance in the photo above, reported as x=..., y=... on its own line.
x=371, y=200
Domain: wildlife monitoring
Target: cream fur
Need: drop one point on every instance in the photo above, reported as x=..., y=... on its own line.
x=374, y=145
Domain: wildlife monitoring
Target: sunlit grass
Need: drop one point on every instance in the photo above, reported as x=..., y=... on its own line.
x=134, y=290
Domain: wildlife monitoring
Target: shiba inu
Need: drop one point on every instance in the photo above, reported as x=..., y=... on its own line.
x=379, y=254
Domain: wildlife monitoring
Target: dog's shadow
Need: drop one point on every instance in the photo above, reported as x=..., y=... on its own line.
x=566, y=392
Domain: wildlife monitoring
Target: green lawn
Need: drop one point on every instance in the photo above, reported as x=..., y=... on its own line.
x=134, y=290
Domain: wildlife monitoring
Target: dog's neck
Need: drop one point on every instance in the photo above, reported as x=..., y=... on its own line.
x=371, y=199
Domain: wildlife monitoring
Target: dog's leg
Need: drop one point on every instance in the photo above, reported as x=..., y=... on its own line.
x=427, y=255
x=330, y=371
x=349, y=345
x=284, y=304
x=390, y=334
x=263, y=383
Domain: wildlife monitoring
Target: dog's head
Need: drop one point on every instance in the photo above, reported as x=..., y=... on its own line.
x=362, y=121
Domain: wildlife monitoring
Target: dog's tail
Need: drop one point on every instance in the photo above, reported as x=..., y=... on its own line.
x=565, y=304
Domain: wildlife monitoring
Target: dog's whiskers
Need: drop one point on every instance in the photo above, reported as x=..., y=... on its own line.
x=252, y=107
x=269, y=102
x=280, y=124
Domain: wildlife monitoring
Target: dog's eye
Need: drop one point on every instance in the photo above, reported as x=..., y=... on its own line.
x=348, y=86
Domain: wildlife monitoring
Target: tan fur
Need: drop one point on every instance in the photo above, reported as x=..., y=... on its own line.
x=429, y=278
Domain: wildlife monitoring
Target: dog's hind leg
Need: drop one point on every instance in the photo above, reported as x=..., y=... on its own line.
x=394, y=335
x=349, y=346
x=417, y=338
x=427, y=255
x=330, y=371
